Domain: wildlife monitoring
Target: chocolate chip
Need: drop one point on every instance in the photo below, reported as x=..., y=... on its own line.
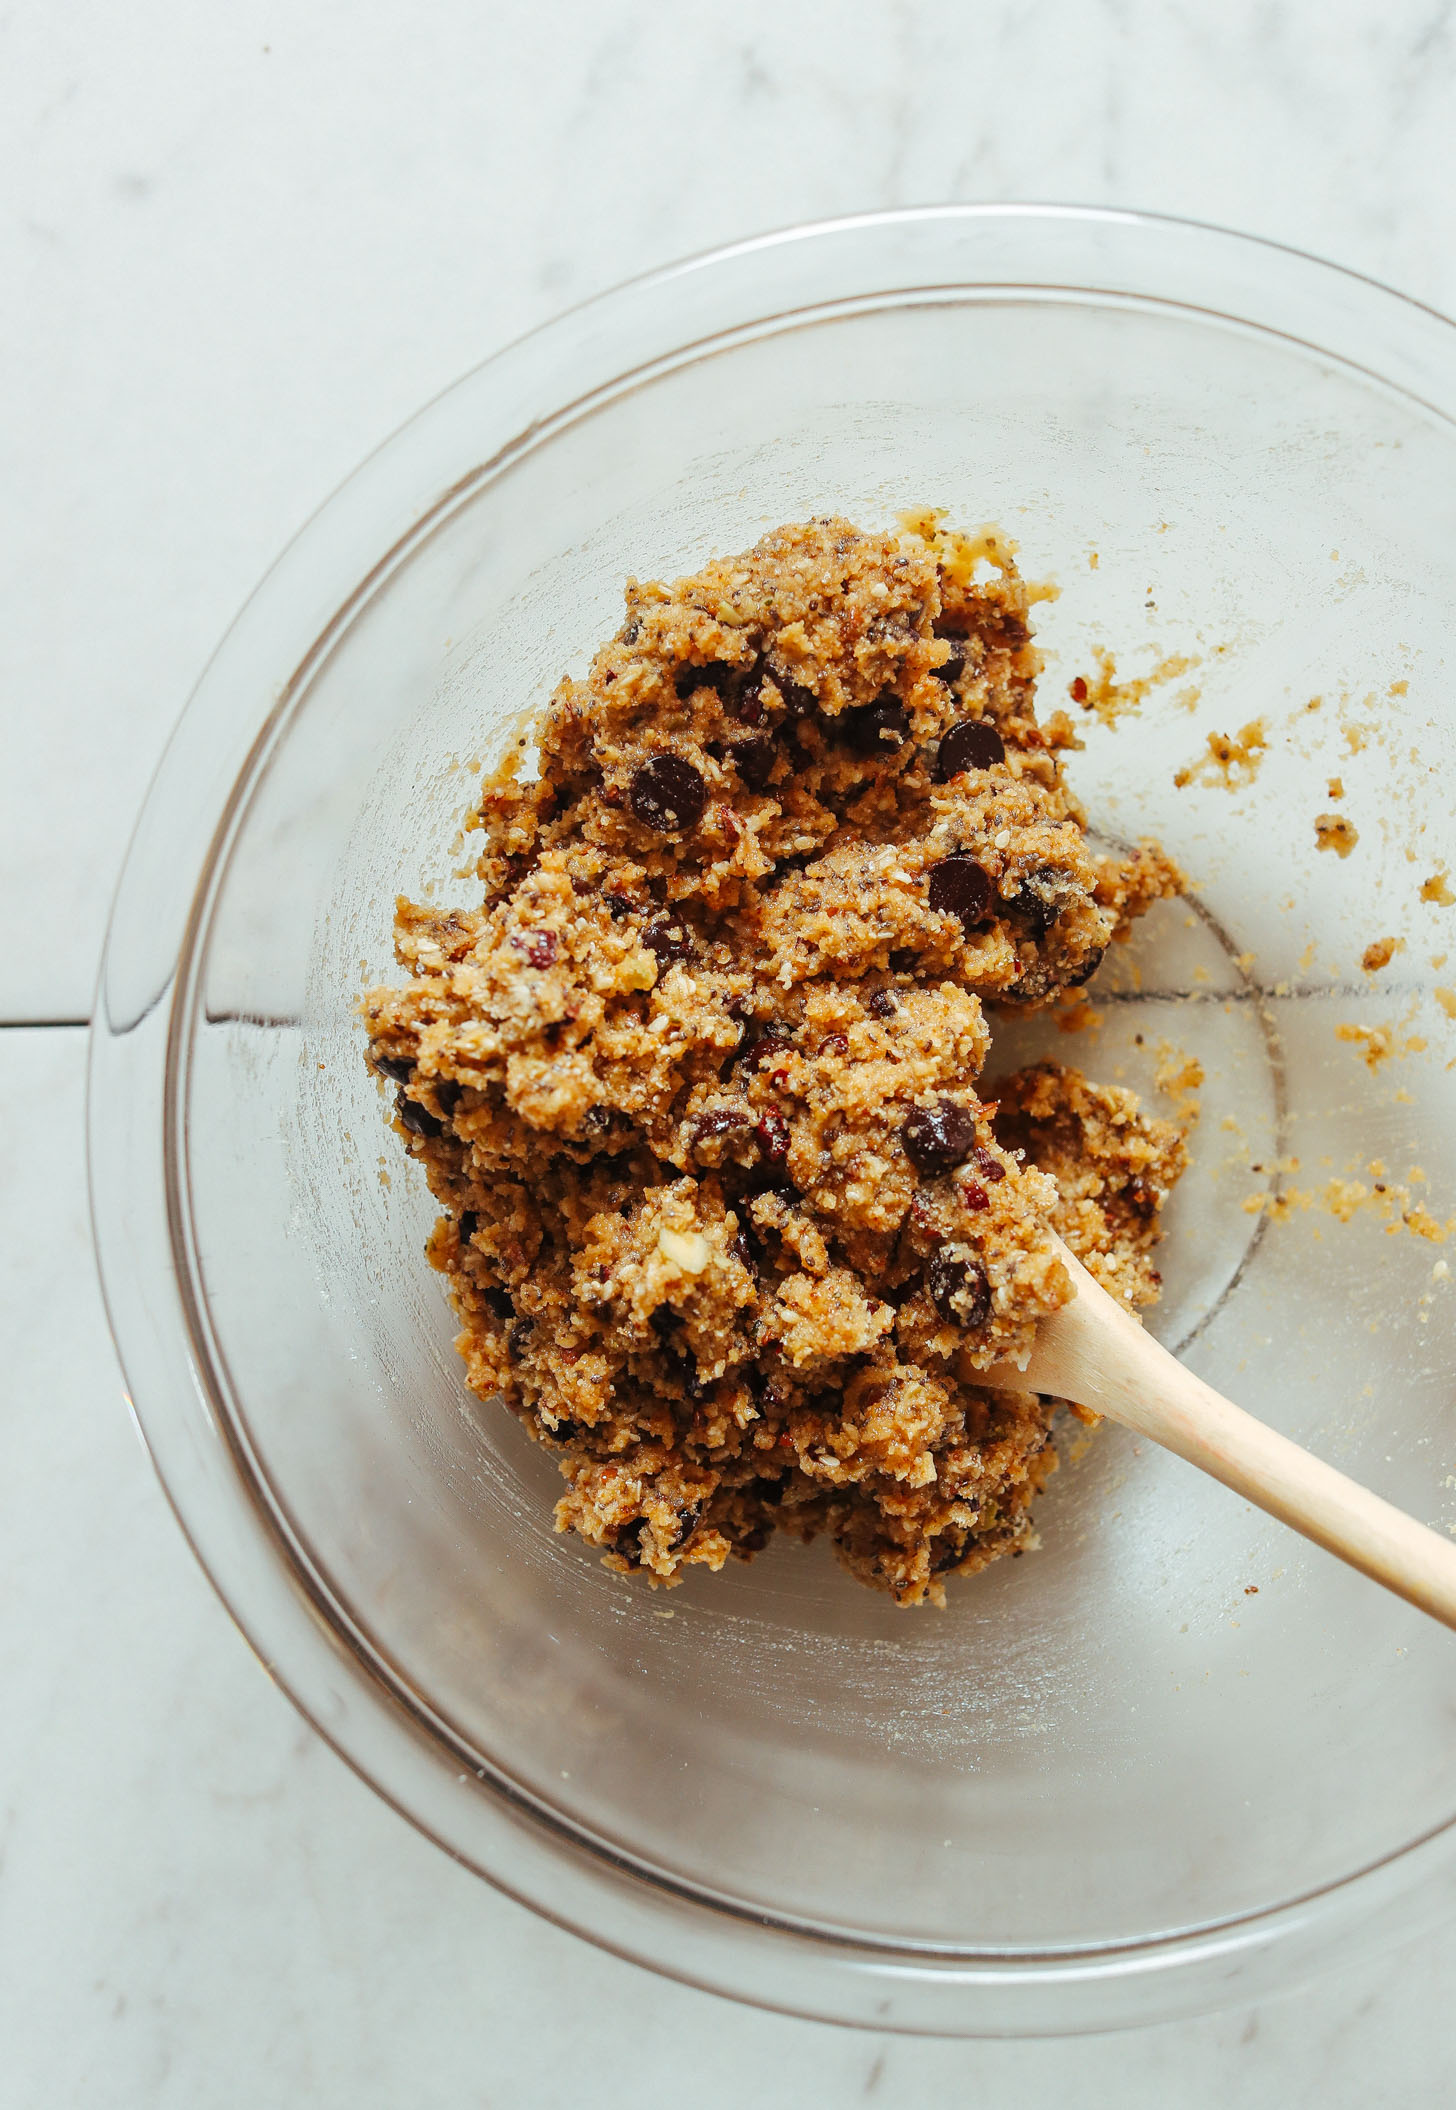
x=754, y=760
x=958, y=1288
x=973, y=744
x=876, y=728
x=743, y=1252
x=1040, y=899
x=397, y=1068
x=722, y=1121
x=687, y=1524
x=668, y=794
x=519, y=1334
x=619, y=906
x=773, y=1138
x=880, y=1004
x=416, y=1118
x=958, y=887
x=1089, y=967
x=771, y=1042
x=448, y=1093
x=744, y=698
x=467, y=1227
x=951, y=669
x=937, y=1137
x=668, y=939
x=499, y=1301
x=798, y=701
x=717, y=675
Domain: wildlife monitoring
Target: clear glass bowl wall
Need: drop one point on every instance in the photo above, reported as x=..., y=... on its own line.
x=1175, y=1752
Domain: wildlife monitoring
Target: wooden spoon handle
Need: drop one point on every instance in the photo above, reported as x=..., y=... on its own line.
x=1095, y=1352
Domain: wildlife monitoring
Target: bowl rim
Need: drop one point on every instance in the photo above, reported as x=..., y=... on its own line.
x=142, y=1021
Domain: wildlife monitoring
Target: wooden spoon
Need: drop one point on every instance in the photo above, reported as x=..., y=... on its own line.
x=1095, y=1352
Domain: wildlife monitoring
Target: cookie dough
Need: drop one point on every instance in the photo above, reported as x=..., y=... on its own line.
x=727, y=1222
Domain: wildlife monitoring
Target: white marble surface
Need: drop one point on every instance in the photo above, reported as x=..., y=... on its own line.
x=238, y=245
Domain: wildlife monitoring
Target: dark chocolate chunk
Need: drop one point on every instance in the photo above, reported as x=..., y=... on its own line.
x=771, y=1042
x=973, y=744
x=1088, y=968
x=668, y=794
x=1040, y=899
x=782, y=1191
x=744, y=698
x=952, y=669
x=416, y=1118
x=448, y=1093
x=722, y=1121
x=798, y=701
x=876, y=728
x=499, y=1301
x=958, y=887
x=687, y=1524
x=619, y=906
x=773, y=1138
x=717, y=675
x=936, y=1137
x=395, y=1068
x=669, y=939
x=754, y=760
x=958, y=1288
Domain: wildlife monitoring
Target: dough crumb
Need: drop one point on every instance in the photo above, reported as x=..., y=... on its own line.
x=1333, y=832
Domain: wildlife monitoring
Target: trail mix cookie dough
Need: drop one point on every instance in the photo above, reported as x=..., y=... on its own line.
x=727, y=1222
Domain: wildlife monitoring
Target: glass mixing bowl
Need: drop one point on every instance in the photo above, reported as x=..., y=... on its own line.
x=1177, y=1755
